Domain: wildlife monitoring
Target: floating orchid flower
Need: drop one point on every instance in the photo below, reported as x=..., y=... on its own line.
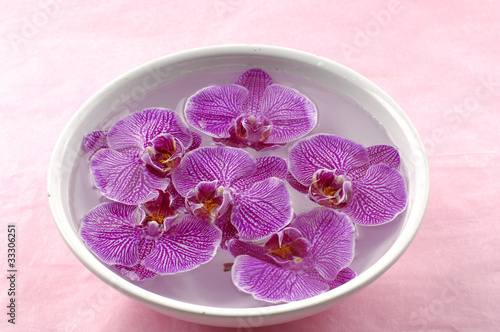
x=132, y=161
x=226, y=185
x=340, y=174
x=305, y=259
x=252, y=112
x=142, y=241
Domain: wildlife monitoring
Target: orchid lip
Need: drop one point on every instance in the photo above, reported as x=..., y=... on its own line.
x=252, y=128
x=209, y=201
x=329, y=189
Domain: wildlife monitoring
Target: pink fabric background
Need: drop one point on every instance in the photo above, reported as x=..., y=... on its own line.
x=438, y=59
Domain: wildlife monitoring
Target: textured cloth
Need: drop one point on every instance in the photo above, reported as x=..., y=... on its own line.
x=437, y=59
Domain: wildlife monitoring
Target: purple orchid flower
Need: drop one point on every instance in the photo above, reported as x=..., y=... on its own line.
x=252, y=112
x=305, y=259
x=340, y=174
x=142, y=241
x=133, y=160
x=242, y=196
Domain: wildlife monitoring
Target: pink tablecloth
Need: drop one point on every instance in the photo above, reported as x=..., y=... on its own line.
x=438, y=59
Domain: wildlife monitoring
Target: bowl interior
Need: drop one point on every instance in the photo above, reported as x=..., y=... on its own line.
x=349, y=106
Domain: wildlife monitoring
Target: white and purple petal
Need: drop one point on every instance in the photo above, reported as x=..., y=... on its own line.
x=137, y=129
x=95, y=140
x=344, y=276
x=184, y=246
x=296, y=184
x=378, y=197
x=229, y=232
x=255, y=81
x=237, y=247
x=213, y=110
x=111, y=233
x=196, y=140
x=272, y=283
x=377, y=154
x=223, y=164
x=262, y=210
x=325, y=151
x=124, y=177
x=269, y=166
x=332, y=239
x=292, y=114
x=138, y=272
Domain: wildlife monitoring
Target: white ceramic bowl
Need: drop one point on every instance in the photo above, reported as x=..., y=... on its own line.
x=349, y=105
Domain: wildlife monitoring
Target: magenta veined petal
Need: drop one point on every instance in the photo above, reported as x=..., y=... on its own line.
x=344, y=276
x=325, y=152
x=223, y=164
x=292, y=114
x=332, y=239
x=138, y=271
x=95, y=140
x=184, y=246
x=272, y=283
x=110, y=231
x=255, y=81
x=262, y=210
x=377, y=154
x=137, y=129
x=124, y=177
x=213, y=110
x=378, y=197
x=266, y=167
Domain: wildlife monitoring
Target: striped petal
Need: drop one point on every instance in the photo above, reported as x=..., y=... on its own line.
x=270, y=166
x=184, y=246
x=255, y=81
x=377, y=154
x=378, y=197
x=124, y=177
x=292, y=114
x=332, y=239
x=262, y=210
x=137, y=129
x=272, y=283
x=213, y=110
x=111, y=233
x=207, y=164
x=325, y=152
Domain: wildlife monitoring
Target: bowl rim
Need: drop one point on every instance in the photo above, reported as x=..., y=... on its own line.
x=402, y=242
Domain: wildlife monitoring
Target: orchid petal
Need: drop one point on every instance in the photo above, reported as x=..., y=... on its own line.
x=255, y=81
x=332, y=239
x=95, y=140
x=270, y=166
x=228, y=230
x=343, y=276
x=211, y=163
x=272, y=283
x=213, y=110
x=325, y=151
x=262, y=210
x=137, y=129
x=184, y=246
x=195, y=141
x=161, y=208
x=292, y=114
x=296, y=184
x=111, y=233
x=378, y=197
x=138, y=272
x=124, y=178
x=238, y=247
x=377, y=154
